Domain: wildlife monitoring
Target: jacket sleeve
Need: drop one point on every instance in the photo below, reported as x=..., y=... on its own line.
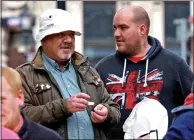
x=185, y=77
x=182, y=128
x=114, y=114
x=51, y=112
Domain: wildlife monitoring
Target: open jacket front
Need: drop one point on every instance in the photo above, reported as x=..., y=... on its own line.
x=44, y=103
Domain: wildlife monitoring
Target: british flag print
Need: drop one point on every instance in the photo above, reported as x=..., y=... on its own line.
x=133, y=87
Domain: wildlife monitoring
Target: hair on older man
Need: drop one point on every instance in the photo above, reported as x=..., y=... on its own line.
x=12, y=77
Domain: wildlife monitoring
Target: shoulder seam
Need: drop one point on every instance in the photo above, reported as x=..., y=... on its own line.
x=22, y=65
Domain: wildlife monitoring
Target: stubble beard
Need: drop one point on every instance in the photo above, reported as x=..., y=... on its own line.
x=64, y=56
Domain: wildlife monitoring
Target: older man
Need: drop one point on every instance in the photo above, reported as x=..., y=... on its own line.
x=12, y=99
x=62, y=90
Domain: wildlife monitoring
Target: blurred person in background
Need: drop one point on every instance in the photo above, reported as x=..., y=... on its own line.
x=12, y=99
x=62, y=91
x=182, y=127
x=142, y=67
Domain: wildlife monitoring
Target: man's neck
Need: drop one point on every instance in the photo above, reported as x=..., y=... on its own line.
x=19, y=124
x=143, y=50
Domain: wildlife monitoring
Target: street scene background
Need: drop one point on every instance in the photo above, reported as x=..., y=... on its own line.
x=171, y=24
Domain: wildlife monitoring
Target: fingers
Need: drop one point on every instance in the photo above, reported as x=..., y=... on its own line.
x=99, y=114
x=83, y=95
x=80, y=106
x=78, y=102
x=99, y=107
x=96, y=118
x=81, y=101
x=101, y=110
x=93, y=118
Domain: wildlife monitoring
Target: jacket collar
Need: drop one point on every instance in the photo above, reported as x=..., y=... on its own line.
x=24, y=129
x=188, y=104
x=77, y=60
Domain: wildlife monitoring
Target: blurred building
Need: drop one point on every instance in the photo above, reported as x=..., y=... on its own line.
x=191, y=38
x=94, y=19
x=17, y=22
x=3, y=47
x=191, y=42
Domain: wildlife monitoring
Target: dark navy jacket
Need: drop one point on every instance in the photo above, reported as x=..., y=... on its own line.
x=33, y=131
x=183, y=125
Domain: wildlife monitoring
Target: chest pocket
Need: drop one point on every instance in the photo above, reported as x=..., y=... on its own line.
x=42, y=93
x=41, y=87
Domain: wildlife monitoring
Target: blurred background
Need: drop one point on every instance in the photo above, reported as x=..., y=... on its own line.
x=171, y=23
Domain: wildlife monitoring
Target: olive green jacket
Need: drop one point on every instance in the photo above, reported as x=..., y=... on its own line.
x=44, y=103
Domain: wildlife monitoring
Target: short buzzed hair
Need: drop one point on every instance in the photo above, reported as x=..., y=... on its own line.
x=13, y=78
x=140, y=16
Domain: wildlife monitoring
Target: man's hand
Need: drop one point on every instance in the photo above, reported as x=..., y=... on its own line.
x=99, y=114
x=78, y=102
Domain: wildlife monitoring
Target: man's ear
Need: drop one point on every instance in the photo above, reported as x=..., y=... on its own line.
x=20, y=97
x=143, y=30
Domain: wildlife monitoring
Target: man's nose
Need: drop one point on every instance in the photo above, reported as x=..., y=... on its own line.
x=117, y=33
x=67, y=38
